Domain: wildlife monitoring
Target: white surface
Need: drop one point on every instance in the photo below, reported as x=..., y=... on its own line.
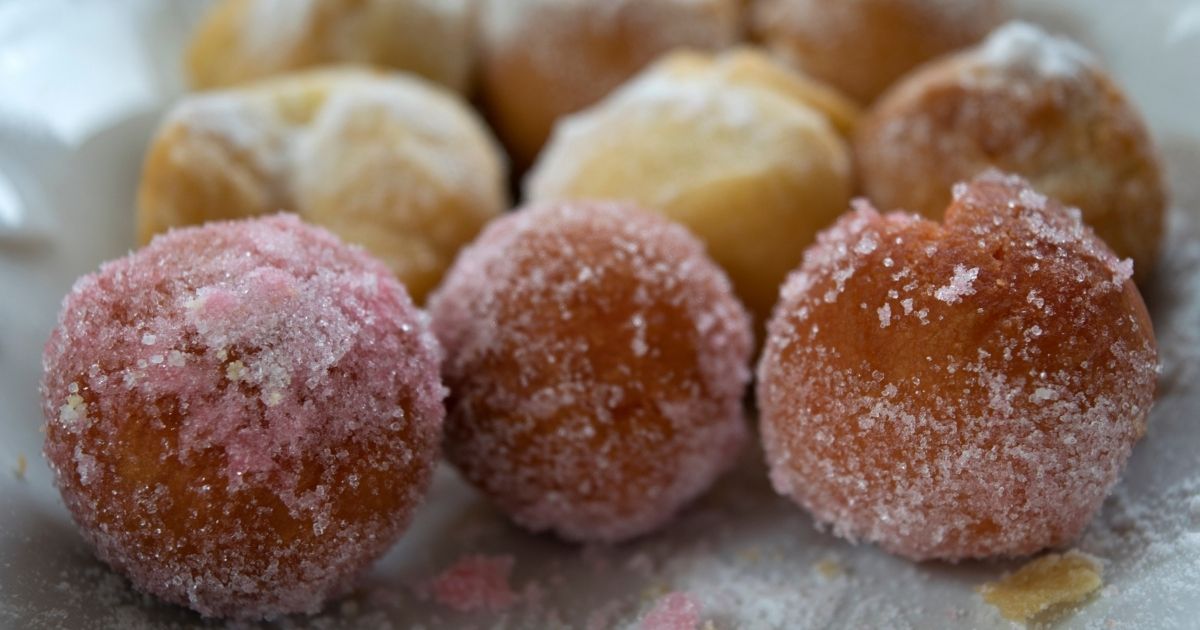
x=81, y=87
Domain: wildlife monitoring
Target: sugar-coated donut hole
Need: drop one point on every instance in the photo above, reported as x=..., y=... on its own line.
x=242, y=416
x=244, y=40
x=597, y=362
x=386, y=161
x=958, y=390
x=1026, y=102
x=863, y=46
x=544, y=59
x=736, y=148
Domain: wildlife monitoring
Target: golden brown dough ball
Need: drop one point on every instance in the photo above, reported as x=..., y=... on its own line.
x=1029, y=103
x=597, y=361
x=963, y=389
x=543, y=59
x=862, y=46
x=383, y=160
x=729, y=149
x=241, y=40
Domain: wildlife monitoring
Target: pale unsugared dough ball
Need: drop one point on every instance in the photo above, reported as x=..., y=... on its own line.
x=597, y=361
x=863, y=46
x=382, y=160
x=739, y=151
x=966, y=389
x=544, y=59
x=242, y=416
x=243, y=40
x=1029, y=103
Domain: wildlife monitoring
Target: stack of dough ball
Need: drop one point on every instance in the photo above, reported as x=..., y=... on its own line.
x=863, y=46
x=739, y=150
x=241, y=40
x=1028, y=103
x=218, y=421
x=957, y=390
x=597, y=362
x=543, y=59
x=385, y=161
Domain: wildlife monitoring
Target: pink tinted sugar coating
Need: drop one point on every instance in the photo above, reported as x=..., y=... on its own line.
x=958, y=390
x=596, y=359
x=242, y=416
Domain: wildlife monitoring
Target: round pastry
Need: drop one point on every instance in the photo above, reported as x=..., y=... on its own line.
x=1029, y=103
x=959, y=390
x=218, y=424
x=543, y=59
x=597, y=361
x=242, y=40
x=385, y=161
x=750, y=168
x=863, y=46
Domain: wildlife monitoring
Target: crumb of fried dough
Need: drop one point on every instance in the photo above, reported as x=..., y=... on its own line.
x=1045, y=585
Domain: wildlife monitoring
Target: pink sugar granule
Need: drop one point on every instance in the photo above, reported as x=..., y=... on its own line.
x=674, y=611
x=475, y=583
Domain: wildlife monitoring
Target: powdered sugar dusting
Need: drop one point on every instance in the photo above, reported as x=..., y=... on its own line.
x=1021, y=45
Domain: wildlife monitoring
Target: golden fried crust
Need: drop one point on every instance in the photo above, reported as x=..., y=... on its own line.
x=1072, y=134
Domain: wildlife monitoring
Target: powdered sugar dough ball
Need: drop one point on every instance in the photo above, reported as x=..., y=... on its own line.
x=1024, y=102
x=739, y=150
x=863, y=46
x=596, y=360
x=543, y=59
x=241, y=417
x=243, y=40
x=958, y=390
x=382, y=160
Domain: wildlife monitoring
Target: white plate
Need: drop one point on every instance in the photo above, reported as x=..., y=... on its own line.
x=81, y=87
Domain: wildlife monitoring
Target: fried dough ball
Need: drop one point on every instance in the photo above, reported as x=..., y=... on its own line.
x=242, y=416
x=863, y=46
x=596, y=360
x=732, y=147
x=1028, y=103
x=967, y=389
x=243, y=40
x=544, y=59
x=385, y=161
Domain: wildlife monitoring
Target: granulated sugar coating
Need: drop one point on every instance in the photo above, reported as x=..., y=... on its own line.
x=242, y=416
x=990, y=413
x=596, y=361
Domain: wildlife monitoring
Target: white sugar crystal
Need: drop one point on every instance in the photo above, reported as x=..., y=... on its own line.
x=885, y=315
x=960, y=285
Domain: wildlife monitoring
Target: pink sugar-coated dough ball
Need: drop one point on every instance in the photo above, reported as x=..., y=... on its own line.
x=954, y=390
x=596, y=359
x=242, y=416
